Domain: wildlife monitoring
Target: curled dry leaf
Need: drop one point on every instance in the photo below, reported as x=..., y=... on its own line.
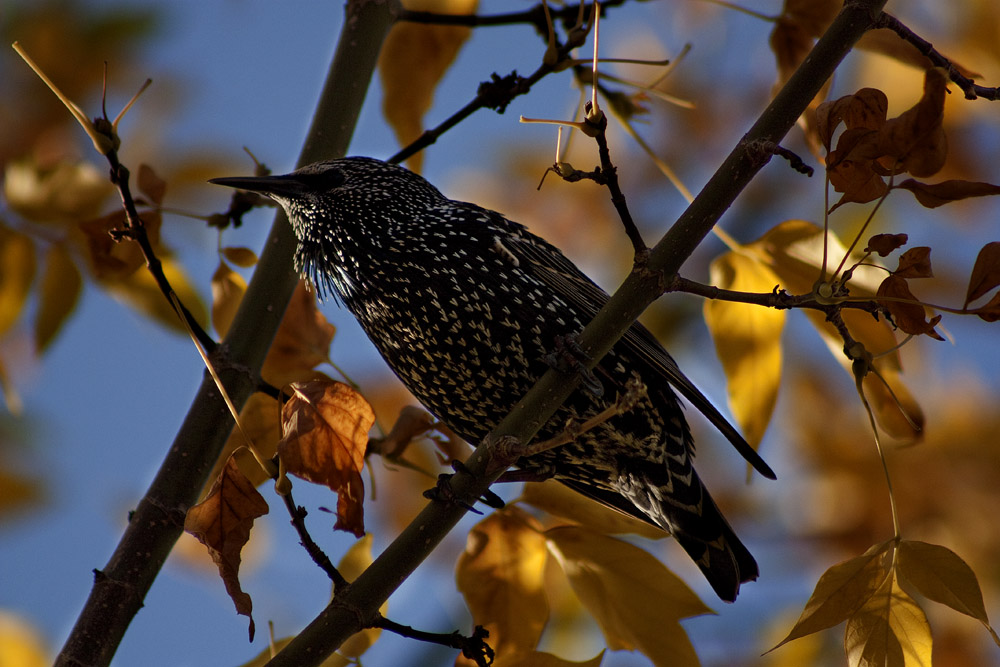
x=222, y=522
x=326, y=428
x=411, y=423
x=932, y=195
x=915, y=263
x=909, y=315
x=501, y=575
x=886, y=244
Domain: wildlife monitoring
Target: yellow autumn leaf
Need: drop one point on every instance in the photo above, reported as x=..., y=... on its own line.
x=17, y=271
x=748, y=342
x=413, y=60
x=541, y=659
x=60, y=289
x=501, y=576
x=633, y=597
x=842, y=591
x=890, y=630
x=939, y=574
x=21, y=645
x=227, y=293
x=561, y=501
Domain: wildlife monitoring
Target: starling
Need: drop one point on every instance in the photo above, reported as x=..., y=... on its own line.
x=468, y=308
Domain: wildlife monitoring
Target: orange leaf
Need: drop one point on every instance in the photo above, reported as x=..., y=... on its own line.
x=890, y=630
x=985, y=273
x=866, y=108
x=932, y=195
x=561, y=501
x=242, y=257
x=895, y=296
x=222, y=522
x=302, y=342
x=412, y=423
x=326, y=428
x=501, y=575
x=413, y=60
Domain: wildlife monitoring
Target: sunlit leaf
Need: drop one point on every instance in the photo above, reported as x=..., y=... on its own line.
x=747, y=341
x=59, y=292
x=634, y=599
x=540, y=659
x=326, y=428
x=64, y=192
x=222, y=522
x=561, y=501
x=141, y=292
x=890, y=630
x=21, y=644
x=843, y=590
x=501, y=576
x=939, y=574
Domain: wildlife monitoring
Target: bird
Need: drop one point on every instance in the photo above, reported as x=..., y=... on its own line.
x=470, y=309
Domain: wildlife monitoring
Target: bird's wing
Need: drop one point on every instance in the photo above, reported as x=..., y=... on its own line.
x=549, y=265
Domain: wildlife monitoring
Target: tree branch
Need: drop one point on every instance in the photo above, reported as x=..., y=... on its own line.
x=363, y=597
x=120, y=587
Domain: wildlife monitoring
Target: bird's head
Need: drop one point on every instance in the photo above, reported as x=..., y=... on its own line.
x=342, y=210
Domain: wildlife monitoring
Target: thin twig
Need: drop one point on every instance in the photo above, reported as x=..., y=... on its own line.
x=298, y=515
x=971, y=89
x=473, y=647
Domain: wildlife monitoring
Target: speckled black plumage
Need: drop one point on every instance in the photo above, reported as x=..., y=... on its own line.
x=466, y=305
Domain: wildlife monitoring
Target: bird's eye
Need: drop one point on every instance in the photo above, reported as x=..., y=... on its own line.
x=320, y=181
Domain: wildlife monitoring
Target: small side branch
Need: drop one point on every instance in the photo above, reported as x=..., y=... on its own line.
x=971, y=89
x=298, y=515
x=473, y=647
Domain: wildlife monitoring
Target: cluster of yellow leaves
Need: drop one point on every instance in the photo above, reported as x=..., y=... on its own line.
x=633, y=597
x=885, y=625
x=325, y=427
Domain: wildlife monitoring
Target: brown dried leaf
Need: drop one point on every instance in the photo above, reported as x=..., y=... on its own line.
x=866, y=108
x=302, y=342
x=222, y=522
x=58, y=294
x=932, y=195
x=110, y=260
x=886, y=244
x=228, y=288
x=990, y=311
x=17, y=273
x=632, y=596
x=150, y=184
x=413, y=60
x=411, y=423
x=908, y=314
x=915, y=139
x=915, y=263
x=326, y=428
x=501, y=575
x=561, y=501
